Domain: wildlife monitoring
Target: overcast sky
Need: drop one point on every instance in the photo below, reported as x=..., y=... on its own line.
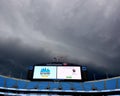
x=83, y=31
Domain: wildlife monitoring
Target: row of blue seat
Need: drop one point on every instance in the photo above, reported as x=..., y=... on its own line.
x=113, y=83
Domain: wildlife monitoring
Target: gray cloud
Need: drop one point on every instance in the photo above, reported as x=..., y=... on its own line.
x=83, y=31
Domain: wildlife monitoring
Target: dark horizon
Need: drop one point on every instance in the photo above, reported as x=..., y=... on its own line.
x=93, y=74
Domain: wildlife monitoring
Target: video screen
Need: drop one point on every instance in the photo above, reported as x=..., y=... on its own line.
x=57, y=72
x=69, y=72
x=44, y=72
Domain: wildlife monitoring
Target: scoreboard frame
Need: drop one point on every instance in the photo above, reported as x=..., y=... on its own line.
x=56, y=64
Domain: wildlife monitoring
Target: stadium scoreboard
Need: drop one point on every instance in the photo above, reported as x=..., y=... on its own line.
x=61, y=71
x=57, y=72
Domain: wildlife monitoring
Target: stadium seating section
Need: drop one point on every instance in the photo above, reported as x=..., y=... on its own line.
x=19, y=86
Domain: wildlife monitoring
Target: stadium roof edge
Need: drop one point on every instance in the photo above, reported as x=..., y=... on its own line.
x=14, y=78
x=104, y=79
x=85, y=81
x=56, y=63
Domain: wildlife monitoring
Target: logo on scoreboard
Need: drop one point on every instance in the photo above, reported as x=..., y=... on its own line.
x=45, y=72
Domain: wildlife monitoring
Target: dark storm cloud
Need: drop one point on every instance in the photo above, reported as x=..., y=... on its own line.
x=15, y=57
x=84, y=31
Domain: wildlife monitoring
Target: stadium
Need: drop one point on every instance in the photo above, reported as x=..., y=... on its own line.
x=58, y=79
x=59, y=48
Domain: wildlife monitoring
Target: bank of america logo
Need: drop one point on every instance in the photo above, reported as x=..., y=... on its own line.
x=45, y=72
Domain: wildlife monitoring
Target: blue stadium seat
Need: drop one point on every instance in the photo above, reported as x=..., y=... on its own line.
x=43, y=85
x=2, y=80
x=99, y=85
x=66, y=85
x=72, y=87
x=119, y=83
x=11, y=83
x=32, y=85
x=54, y=85
x=87, y=86
x=111, y=84
x=77, y=86
x=22, y=84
